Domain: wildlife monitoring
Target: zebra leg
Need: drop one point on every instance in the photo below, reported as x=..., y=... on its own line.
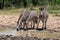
x=37, y=25
x=19, y=26
x=44, y=24
x=38, y=21
x=26, y=25
x=33, y=25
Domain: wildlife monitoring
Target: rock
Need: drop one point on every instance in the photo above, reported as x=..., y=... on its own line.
x=8, y=39
x=55, y=39
x=46, y=38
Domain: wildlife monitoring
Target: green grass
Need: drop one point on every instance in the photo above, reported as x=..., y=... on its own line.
x=17, y=11
x=11, y=11
x=54, y=12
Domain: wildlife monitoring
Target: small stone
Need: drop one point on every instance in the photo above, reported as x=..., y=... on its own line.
x=46, y=39
x=9, y=39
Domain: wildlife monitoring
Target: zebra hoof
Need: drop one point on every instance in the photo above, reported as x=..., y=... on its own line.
x=17, y=29
x=44, y=28
x=37, y=28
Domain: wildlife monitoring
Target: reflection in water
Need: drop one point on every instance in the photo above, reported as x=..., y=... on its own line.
x=9, y=32
x=31, y=33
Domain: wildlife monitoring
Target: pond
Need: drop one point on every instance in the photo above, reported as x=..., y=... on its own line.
x=32, y=33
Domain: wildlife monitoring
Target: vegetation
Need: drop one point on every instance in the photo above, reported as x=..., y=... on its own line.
x=27, y=3
x=14, y=4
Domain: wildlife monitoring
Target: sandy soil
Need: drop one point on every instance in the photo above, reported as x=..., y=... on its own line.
x=25, y=38
x=10, y=21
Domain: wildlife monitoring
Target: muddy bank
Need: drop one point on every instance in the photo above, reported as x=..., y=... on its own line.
x=10, y=37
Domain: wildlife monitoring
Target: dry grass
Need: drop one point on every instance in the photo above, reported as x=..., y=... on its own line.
x=13, y=11
x=10, y=12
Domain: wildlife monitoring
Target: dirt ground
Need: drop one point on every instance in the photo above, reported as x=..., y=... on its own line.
x=11, y=20
x=25, y=38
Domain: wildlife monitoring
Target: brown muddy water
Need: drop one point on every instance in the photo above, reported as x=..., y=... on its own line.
x=12, y=34
x=31, y=33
